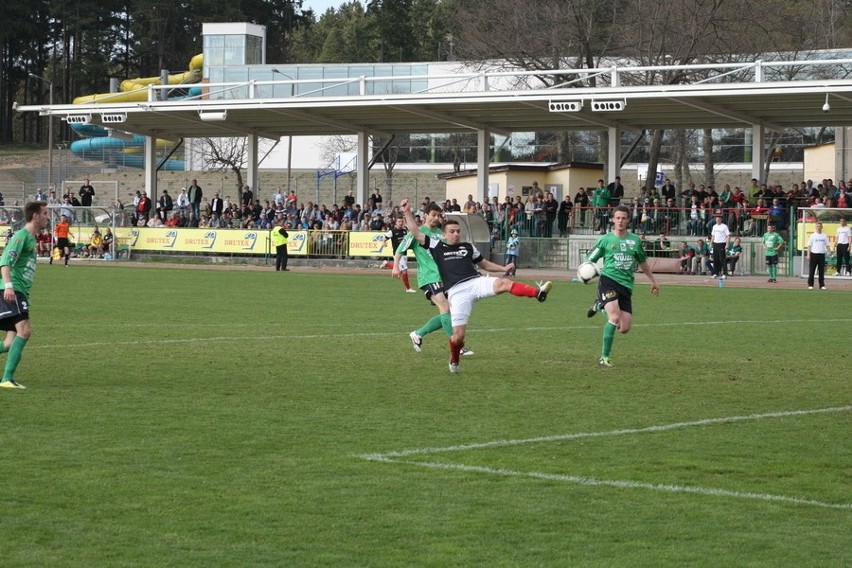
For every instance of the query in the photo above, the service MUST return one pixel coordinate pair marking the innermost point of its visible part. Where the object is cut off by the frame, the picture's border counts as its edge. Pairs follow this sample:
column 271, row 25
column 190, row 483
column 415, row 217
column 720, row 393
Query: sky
column 320, row 6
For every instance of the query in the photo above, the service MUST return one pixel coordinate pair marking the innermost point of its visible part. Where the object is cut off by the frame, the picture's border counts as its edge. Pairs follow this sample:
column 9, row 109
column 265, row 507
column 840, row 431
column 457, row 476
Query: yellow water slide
column 136, row 90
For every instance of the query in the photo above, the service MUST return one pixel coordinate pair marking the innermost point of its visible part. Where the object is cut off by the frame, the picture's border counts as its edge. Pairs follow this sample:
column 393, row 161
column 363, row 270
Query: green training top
column 771, row 241
column 20, row 256
column 427, row 270
column 621, row 257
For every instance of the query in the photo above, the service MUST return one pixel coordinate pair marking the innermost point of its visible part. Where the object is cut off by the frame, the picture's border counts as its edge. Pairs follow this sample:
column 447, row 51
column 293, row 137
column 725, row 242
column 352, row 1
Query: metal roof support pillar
column 483, row 149
column 613, row 154
column 362, row 174
column 151, row 169
column 758, row 143
column 251, row 165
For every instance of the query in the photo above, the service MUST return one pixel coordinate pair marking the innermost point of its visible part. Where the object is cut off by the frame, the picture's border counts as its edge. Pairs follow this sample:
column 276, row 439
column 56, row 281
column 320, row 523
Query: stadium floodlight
column 79, row 118
column 213, row 116
column 609, row 105
column 113, row 118
column 564, row 106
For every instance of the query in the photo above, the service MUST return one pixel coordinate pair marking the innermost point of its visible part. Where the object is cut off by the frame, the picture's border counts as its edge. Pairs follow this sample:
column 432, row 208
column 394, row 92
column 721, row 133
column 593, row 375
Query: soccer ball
column 587, row 272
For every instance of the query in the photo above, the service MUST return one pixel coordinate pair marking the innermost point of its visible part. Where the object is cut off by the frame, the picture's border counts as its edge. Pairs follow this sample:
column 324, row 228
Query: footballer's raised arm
column 411, row 222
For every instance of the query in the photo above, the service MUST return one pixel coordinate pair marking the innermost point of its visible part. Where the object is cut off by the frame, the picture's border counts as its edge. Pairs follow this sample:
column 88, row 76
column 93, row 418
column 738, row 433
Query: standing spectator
column 621, row 252
column 564, row 215
column 817, row 248
column 291, row 201
column 40, row 195
column 164, row 206
column 183, row 201
column 668, row 190
column 217, row 206
column 581, row 202
column 195, row 197
column 376, row 197
column 513, row 250
column 457, row 262
column 551, row 208
column 247, row 197
column 349, row 199
column 842, row 240
column 719, row 236
column 143, row 209
column 87, row 194
column 67, row 209
column 600, row 201
column 53, row 200
column 278, row 197
column 17, row 266
column 616, row 192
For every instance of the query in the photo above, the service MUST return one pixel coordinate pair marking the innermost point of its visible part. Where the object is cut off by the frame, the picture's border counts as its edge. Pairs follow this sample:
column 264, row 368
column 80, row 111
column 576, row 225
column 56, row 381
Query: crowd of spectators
column 536, row 213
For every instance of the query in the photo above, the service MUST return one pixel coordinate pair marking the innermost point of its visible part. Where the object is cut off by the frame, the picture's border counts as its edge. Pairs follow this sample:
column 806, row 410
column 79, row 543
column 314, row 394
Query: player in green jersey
column 621, row 251
column 17, row 266
column 773, row 243
column 428, row 278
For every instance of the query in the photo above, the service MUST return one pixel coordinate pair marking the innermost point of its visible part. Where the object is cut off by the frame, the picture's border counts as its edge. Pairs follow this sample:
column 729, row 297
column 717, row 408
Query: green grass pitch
column 187, row 417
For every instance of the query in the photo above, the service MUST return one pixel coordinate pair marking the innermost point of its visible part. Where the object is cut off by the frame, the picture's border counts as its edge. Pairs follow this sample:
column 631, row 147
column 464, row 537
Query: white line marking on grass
column 712, row 491
column 396, row 457
column 623, row 432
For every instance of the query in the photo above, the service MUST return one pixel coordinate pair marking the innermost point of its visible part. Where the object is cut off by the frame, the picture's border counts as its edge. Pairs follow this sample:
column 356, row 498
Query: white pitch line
column 394, row 457
column 710, row 491
column 388, row 456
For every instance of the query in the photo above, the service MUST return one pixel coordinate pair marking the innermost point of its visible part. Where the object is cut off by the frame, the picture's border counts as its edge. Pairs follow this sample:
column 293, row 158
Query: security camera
column 826, row 107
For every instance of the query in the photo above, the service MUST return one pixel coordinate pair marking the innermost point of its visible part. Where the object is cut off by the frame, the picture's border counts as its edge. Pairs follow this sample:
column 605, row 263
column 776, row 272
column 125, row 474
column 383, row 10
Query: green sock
column 15, row 351
column 773, row 271
column 608, row 337
column 433, row 324
column 447, row 324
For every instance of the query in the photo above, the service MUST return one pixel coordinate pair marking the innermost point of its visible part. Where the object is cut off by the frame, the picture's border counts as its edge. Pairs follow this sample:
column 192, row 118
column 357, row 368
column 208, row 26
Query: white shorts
column 403, row 262
column 463, row 296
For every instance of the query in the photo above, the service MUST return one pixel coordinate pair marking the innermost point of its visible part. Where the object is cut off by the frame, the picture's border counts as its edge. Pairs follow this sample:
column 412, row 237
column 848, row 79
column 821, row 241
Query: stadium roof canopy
column 770, row 94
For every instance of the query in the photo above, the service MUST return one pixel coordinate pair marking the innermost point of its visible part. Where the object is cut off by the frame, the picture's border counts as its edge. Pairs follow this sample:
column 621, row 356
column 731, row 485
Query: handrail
column 488, row 81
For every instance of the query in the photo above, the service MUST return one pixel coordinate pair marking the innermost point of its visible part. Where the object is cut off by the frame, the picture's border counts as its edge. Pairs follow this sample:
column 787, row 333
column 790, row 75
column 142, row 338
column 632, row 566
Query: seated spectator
column 702, row 261
column 378, row 223
column 108, row 242
column 663, row 242
column 95, row 248
column 44, row 243
column 685, row 255
column 695, row 215
column 732, row 254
